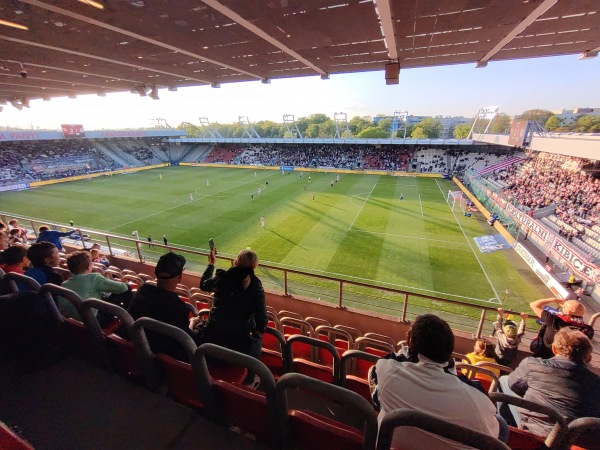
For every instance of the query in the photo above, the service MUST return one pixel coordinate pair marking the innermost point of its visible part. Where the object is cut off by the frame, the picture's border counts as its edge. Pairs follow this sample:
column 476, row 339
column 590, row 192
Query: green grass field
column 358, row 229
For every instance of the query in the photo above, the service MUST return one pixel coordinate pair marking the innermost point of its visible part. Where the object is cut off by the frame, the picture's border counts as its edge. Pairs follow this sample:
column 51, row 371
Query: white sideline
column 469, row 242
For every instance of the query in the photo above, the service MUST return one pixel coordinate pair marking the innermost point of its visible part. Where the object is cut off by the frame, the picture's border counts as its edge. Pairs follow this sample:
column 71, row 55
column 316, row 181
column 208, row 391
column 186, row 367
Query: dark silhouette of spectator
column 43, row 257
column 161, row 302
column 15, row 259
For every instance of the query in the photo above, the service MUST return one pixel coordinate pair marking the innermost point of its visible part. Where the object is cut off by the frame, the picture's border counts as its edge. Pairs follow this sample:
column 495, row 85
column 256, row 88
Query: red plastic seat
column 180, row 381
column 311, row 431
column 10, row 441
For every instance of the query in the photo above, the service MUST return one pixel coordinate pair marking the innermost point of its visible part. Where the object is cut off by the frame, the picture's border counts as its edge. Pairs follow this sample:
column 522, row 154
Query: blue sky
column 550, row 83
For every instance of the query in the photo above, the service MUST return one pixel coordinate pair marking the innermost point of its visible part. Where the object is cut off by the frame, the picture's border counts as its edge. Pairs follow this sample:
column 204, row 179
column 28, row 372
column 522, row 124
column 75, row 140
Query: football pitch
column 357, row 229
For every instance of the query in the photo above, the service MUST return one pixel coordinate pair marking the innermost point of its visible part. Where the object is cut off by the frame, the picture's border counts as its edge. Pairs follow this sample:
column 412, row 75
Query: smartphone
column 211, row 244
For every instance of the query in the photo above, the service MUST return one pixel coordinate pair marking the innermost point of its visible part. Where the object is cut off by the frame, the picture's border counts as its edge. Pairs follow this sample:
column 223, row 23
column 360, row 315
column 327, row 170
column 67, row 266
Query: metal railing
column 344, row 293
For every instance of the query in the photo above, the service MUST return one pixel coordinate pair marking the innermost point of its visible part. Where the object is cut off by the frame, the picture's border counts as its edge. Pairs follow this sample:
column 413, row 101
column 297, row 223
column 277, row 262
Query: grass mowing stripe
column 363, row 205
column 472, row 249
column 408, row 237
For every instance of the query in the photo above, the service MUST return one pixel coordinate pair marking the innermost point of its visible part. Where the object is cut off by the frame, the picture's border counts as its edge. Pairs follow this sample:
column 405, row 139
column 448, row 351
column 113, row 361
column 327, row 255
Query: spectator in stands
column 161, row 302
column 508, row 338
column 427, row 387
column 553, row 320
column 14, row 224
column 97, row 257
column 238, row 317
column 15, row 259
column 52, row 236
column 43, row 257
column 88, row 284
column 4, row 240
column 14, row 237
column 483, row 350
column 563, row 382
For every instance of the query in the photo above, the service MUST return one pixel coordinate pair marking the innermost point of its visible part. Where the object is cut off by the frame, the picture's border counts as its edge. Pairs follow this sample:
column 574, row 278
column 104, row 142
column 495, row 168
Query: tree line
column 322, row 126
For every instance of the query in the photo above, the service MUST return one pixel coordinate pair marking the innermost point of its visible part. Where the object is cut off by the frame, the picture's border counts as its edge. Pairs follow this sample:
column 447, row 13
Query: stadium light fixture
column 215, row 85
column 25, row 102
column 141, row 89
column 46, row 98
column 16, row 104
column 481, row 64
column 73, row 96
column 591, row 54
column 101, row 94
column 324, row 76
column 266, row 80
column 18, row 26
column 172, row 88
column 392, row 73
column 96, row 5
column 153, row 94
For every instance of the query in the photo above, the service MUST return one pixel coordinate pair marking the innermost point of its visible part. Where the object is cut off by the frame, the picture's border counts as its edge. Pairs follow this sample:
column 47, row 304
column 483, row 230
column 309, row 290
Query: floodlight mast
column 291, row 126
column 341, row 125
column 209, row 130
column 486, row 113
column 401, row 119
column 163, row 122
column 249, row 130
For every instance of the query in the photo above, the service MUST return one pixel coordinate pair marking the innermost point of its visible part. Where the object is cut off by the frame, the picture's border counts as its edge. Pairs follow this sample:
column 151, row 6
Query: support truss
column 209, row 130
column 249, row 130
column 291, row 126
column 342, row 131
column 399, row 124
column 484, row 114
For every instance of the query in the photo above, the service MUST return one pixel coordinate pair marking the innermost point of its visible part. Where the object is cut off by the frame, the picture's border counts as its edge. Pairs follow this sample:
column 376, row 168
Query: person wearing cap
column 570, row 314
column 508, row 338
column 161, row 302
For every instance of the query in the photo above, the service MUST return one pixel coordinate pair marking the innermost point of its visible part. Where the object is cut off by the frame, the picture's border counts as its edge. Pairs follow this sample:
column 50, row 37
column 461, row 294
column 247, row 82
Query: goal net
column 455, row 199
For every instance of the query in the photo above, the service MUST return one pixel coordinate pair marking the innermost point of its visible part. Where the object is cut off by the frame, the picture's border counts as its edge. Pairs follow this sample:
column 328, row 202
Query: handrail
column 342, row 283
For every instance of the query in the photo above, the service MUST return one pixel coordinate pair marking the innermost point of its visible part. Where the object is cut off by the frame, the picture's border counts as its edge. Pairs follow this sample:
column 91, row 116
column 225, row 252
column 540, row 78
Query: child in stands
column 509, row 338
column 15, row 259
column 483, row 351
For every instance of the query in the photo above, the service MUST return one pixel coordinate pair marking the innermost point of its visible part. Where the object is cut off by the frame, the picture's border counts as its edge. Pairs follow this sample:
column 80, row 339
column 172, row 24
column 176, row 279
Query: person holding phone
column 238, row 317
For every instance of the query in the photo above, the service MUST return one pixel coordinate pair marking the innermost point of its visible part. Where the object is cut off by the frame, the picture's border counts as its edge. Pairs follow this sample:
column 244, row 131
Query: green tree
column 302, row 124
column 357, row 124
column 327, row 129
column 373, row 133
column 552, row 123
column 587, row 124
column 419, row 133
column 318, row 118
column 313, row 130
column 385, row 124
column 461, row 131
column 501, row 124
column 430, row 127
column 536, row 115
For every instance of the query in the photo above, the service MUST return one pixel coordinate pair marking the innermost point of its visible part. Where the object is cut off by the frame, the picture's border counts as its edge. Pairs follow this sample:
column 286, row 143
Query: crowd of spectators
column 547, row 179
column 27, row 161
column 322, row 155
column 143, row 154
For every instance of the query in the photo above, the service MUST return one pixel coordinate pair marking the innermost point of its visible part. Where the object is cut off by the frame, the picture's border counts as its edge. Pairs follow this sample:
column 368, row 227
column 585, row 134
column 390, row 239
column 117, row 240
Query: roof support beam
column 98, row 58
column 387, row 27
column 535, row 14
column 71, row 14
column 260, row 33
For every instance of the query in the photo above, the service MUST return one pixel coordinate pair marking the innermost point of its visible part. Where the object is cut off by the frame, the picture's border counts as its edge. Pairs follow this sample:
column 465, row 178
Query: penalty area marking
column 469, row 242
column 409, row 237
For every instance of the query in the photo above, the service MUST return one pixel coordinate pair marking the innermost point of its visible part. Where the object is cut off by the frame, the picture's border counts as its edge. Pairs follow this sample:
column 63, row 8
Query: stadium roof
column 69, row 47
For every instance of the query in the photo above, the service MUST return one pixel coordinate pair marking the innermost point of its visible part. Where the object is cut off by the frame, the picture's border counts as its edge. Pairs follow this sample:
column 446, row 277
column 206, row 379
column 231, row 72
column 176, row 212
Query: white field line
column 472, row 249
column 421, row 205
column 409, row 237
column 360, row 279
column 363, row 205
column 183, row 204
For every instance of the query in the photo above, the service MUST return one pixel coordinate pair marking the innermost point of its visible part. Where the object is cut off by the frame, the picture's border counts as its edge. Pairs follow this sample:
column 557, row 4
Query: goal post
column 455, row 198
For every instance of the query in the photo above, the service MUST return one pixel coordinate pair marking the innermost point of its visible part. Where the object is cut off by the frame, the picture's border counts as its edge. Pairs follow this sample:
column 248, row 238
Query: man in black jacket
column 161, row 302
column 563, row 382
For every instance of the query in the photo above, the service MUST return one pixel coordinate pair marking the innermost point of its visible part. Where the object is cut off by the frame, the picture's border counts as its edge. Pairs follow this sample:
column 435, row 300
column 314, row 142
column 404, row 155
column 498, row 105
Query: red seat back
column 310, row 431
column 180, row 381
column 124, row 357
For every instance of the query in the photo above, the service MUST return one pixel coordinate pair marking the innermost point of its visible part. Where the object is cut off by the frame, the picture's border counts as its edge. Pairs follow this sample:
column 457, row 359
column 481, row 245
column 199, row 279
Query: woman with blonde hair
column 238, row 317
